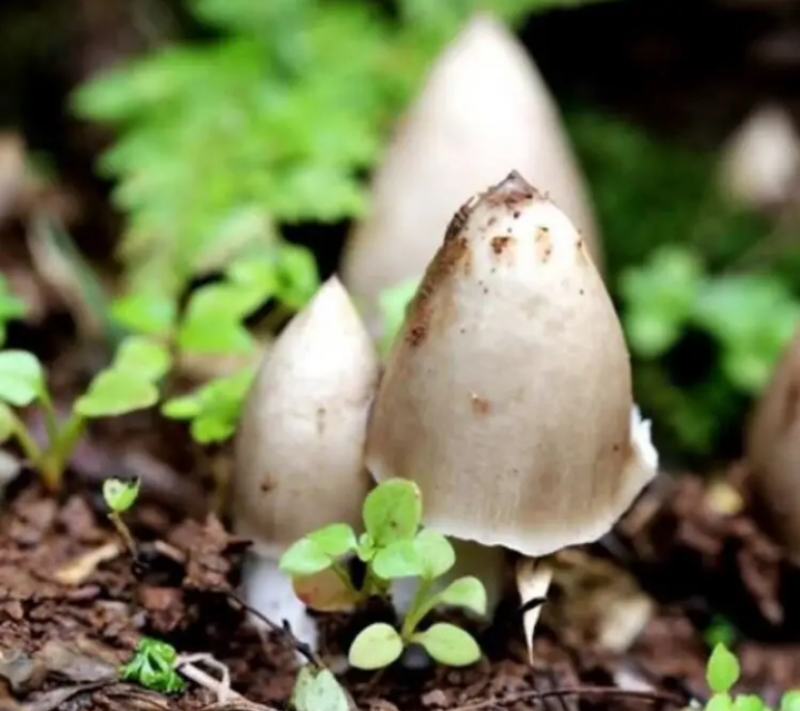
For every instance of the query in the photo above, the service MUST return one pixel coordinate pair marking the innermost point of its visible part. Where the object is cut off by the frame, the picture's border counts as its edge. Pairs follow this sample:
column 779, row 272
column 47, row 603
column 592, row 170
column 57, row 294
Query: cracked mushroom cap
column 299, row 449
column 773, row 449
column 483, row 110
column 507, row 393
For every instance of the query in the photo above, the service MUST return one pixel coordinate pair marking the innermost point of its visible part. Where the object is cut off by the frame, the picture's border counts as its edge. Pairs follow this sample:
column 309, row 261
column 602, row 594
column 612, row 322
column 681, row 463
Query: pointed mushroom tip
column 515, row 183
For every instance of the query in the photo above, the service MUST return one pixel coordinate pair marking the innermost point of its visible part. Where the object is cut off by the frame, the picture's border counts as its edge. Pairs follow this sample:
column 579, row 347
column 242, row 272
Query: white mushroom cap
column 507, row 393
column 483, row 110
column 299, row 450
column 761, row 159
column 773, row 449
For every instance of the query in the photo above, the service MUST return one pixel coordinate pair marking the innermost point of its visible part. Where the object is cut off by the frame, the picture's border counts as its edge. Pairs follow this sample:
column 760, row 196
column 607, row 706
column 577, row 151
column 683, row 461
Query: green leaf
column 791, row 701
column 120, row 495
column 467, row 592
column 151, row 314
column 392, row 511
column 719, row 702
column 366, row 549
column 214, row 408
column 144, row 358
column 304, row 557
column 6, row 423
column 722, row 671
column 21, row 378
column 436, row 554
column 398, row 559
column 298, row 278
column 335, row 540
column 115, row 392
column 152, row 667
column 317, row 690
column 449, row 644
column 748, row 702
column 375, row 647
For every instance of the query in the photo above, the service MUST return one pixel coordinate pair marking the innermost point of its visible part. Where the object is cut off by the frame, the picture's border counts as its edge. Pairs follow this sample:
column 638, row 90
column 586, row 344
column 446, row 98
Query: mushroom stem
column 533, row 582
column 269, row 590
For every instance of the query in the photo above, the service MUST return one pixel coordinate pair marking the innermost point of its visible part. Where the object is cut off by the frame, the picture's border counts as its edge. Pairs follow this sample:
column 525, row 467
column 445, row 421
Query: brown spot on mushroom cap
column 499, row 244
column 453, row 254
column 480, row 405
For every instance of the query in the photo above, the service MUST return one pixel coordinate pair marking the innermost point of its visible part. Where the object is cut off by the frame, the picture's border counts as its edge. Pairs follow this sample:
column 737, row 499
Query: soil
column 74, row 602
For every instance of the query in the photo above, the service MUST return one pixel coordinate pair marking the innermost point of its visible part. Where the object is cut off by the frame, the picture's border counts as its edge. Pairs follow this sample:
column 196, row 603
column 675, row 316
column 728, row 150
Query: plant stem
column 342, row 574
column 50, row 416
column 29, row 446
column 124, row 533
column 420, row 606
column 373, row 585
column 53, row 461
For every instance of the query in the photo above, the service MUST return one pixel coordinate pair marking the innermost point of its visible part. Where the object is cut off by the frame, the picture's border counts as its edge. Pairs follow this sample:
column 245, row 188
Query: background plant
column 392, row 546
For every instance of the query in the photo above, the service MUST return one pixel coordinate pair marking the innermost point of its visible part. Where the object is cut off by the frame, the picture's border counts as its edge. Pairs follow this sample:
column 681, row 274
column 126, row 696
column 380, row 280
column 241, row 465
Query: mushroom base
column 269, row 590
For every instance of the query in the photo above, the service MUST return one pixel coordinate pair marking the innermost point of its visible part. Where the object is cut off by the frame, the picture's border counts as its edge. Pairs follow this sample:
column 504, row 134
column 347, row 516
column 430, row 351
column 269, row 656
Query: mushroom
column 299, row 449
column 507, row 393
column 483, row 109
column 761, row 159
column 773, row 450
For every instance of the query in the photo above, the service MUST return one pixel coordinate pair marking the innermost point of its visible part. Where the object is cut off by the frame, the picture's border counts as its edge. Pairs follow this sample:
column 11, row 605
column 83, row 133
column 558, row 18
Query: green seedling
column 392, row 546
column 722, row 673
column 153, row 667
column 119, row 497
column 130, row 383
column 318, row 690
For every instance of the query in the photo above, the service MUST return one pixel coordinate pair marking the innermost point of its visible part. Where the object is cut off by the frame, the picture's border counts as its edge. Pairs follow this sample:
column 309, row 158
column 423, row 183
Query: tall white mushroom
column 773, row 450
column 483, row 110
column 507, row 393
column 299, row 449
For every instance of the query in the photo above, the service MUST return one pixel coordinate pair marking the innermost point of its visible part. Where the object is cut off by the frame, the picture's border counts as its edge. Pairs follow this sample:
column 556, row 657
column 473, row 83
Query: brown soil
column 73, row 604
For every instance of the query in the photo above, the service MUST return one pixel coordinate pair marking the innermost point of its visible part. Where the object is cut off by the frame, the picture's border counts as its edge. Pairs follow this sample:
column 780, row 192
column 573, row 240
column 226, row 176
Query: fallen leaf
column 80, row 569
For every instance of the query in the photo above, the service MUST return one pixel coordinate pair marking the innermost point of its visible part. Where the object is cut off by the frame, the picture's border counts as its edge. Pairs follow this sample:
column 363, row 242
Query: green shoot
column 153, row 667
column 722, row 673
column 393, row 546
column 127, row 385
column 119, row 497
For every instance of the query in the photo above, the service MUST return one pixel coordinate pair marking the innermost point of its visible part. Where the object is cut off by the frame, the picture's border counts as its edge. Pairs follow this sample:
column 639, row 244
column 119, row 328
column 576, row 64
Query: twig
column 284, row 629
column 532, row 695
column 221, row 687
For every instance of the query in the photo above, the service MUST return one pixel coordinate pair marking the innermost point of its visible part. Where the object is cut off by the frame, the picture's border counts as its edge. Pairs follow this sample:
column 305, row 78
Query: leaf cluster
column 722, row 673
column 128, row 384
column 152, row 667
column 393, row 545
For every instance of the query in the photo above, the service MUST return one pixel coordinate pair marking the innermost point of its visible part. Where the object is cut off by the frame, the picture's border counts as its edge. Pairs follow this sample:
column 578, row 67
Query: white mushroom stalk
column 507, row 394
column 484, row 109
column 299, row 450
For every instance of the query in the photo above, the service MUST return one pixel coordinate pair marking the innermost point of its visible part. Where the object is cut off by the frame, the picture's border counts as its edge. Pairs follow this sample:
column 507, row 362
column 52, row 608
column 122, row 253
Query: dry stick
column 284, row 629
column 531, row 695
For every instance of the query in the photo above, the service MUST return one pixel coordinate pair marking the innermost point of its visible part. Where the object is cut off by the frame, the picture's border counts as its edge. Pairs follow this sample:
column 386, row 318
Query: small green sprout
column 119, row 497
column 153, row 667
column 130, row 383
column 393, row 546
column 722, row 673
column 318, row 690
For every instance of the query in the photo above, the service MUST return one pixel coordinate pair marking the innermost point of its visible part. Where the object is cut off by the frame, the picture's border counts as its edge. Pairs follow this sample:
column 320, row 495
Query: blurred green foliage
column 682, row 264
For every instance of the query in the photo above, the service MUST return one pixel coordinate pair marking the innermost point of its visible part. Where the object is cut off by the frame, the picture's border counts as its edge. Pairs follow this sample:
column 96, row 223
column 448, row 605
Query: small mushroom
column 484, row 109
column 773, row 450
column 299, row 449
column 760, row 161
column 507, row 393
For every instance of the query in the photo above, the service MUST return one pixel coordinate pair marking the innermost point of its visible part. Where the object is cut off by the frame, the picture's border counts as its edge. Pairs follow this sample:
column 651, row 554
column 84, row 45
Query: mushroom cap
column 761, row 159
column 299, row 449
column 773, row 448
column 507, row 393
column 483, row 110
